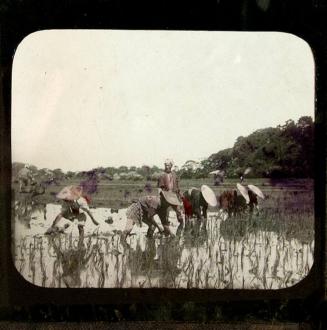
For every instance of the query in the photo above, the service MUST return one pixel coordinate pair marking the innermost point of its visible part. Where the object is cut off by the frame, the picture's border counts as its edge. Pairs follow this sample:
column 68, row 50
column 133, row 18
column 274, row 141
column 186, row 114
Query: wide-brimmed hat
column 218, row 172
column 171, row 198
column 256, row 190
column 208, row 195
column 244, row 192
column 70, row 193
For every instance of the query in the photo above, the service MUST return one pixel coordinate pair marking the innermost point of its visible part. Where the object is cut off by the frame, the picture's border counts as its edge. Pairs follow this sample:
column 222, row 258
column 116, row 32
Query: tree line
column 274, row 152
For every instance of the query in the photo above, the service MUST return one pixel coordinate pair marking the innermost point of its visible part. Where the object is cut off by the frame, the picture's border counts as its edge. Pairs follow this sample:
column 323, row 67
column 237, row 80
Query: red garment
column 87, row 198
column 187, row 206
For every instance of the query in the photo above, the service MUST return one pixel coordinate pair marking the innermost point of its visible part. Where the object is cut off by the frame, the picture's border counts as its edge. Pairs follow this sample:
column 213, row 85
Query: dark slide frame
column 20, row 300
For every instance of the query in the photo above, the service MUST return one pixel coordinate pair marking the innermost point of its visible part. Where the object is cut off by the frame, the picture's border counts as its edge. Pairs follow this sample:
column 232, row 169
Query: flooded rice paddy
column 270, row 250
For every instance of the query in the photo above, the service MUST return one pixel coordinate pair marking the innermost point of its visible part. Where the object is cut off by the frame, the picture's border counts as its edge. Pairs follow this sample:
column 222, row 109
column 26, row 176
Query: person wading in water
column 168, row 181
column 196, row 202
column 144, row 210
column 74, row 207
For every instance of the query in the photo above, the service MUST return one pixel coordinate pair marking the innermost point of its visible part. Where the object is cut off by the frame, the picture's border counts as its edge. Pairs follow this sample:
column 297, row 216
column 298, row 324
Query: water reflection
column 73, row 260
column 235, row 253
column 27, row 209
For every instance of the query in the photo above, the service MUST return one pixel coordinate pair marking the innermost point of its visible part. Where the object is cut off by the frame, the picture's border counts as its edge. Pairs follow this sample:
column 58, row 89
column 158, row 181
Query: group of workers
column 34, row 183
column 143, row 210
column 193, row 202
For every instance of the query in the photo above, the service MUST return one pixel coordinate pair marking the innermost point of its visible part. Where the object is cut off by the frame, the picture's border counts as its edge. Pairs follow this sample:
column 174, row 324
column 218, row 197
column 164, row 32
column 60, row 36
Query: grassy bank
column 119, row 194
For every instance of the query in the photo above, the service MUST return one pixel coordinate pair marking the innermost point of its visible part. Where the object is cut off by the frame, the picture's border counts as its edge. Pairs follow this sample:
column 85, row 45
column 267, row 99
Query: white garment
column 82, row 203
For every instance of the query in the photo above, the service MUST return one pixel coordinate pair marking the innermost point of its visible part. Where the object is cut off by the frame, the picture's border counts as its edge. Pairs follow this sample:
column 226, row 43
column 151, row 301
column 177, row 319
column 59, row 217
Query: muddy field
column 270, row 250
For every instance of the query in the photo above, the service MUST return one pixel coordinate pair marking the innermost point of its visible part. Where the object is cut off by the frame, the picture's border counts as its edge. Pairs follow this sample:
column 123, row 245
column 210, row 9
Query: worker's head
column 27, row 166
column 168, row 165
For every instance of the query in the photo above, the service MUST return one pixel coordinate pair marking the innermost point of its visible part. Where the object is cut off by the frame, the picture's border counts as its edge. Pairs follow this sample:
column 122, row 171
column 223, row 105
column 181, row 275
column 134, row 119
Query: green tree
column 122, row 169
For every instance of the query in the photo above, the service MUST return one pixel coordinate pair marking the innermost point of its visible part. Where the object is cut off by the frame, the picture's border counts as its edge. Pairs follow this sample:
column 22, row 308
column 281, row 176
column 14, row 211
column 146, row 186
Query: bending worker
column 144, row 210
column 74, row 206
column 196, row 202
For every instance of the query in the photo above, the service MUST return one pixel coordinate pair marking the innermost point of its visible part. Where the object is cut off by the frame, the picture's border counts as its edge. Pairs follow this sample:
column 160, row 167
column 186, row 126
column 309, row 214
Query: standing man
column 25, row 178
column 168, row 181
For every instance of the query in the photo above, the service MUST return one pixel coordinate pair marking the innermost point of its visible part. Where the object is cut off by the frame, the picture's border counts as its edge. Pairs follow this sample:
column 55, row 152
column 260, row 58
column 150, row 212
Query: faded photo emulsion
column 163, row 159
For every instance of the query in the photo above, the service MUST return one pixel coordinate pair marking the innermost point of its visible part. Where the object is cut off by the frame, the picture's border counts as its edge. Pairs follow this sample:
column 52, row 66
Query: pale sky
column 88, row 98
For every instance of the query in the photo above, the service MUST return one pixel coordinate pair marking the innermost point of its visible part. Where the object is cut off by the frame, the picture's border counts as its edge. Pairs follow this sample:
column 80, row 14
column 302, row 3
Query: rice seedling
column 269, row 250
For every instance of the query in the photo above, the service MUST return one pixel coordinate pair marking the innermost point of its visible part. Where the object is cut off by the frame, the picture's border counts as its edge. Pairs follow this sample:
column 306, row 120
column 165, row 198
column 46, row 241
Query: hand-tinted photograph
column 163, row 159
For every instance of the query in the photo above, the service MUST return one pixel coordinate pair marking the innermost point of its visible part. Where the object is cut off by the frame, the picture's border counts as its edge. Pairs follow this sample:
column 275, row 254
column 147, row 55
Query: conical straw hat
column 171, row 198
column 208, row 195
column 244, row 192
column 70, row 193
column 256, row 190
